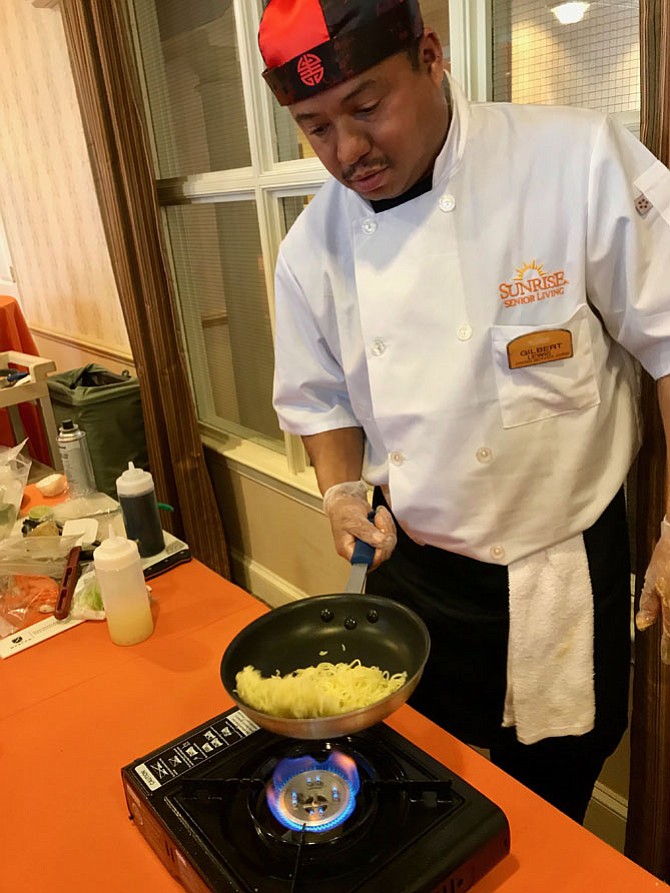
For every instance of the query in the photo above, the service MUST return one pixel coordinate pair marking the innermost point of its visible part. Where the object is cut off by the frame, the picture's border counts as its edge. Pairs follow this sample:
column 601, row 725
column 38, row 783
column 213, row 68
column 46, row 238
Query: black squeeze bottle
column 137, row 497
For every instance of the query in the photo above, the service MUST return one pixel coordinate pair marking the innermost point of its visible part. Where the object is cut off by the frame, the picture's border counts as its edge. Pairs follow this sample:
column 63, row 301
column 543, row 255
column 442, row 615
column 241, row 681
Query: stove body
column 202, row 804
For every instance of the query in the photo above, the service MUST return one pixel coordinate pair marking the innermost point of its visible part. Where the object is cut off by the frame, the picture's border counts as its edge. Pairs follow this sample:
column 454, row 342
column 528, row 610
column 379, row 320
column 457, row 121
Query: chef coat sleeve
column 310, row 393
column 628, row 246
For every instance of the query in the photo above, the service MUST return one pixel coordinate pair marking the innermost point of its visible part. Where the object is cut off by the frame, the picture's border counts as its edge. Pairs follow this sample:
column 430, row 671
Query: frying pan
column 335, row 628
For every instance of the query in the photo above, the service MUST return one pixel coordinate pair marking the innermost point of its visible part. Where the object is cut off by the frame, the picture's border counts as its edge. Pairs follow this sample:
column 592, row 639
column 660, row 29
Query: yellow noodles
column 324, row 690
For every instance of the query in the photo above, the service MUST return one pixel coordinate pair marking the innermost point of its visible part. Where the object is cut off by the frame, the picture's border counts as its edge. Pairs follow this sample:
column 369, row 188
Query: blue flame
column 288, row 769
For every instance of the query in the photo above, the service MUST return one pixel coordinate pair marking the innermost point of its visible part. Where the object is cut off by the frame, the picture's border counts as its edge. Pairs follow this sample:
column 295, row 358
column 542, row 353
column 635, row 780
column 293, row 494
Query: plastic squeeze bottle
column 118, row 569
column 137, row 497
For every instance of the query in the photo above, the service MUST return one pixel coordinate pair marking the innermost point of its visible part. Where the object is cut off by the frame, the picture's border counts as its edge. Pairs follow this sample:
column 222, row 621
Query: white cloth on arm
column 550, row 688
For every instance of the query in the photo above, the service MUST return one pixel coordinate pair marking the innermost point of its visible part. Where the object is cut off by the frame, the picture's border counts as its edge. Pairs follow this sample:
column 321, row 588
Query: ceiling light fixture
column 569, row 13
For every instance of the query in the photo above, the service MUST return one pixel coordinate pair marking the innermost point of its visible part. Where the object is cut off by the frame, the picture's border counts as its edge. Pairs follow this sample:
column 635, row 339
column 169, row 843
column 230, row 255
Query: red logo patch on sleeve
column 642, row 205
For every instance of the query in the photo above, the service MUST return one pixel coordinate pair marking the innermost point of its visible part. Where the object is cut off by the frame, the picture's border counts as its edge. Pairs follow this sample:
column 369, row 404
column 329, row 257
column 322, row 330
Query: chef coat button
column 378, row 347
column 497, row 553
column 396, row 457
column 484, row 454
column 464, row 333
column 369, row 226
column 447, row 203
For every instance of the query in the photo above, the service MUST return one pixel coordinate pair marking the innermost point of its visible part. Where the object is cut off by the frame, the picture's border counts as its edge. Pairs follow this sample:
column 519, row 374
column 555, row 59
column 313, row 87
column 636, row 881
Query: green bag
column 108, row 408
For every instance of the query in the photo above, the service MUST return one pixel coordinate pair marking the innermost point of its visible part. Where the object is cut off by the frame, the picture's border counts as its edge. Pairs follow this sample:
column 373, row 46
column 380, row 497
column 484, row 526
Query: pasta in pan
column 326, row 689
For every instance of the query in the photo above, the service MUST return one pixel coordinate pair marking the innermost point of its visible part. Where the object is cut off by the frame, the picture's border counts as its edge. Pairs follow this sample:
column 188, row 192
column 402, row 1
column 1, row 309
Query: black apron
column 465, row 605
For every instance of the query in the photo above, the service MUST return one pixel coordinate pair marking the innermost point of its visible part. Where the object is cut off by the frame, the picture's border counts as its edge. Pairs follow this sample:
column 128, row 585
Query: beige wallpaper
column 47, row 198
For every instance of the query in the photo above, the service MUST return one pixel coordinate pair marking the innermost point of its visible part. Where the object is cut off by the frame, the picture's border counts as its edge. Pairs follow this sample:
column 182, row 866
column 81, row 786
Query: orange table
column 75, row 709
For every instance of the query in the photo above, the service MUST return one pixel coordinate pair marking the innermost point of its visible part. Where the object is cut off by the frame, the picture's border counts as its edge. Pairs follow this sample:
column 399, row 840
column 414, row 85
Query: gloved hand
column 655, row 596
column 347, row 508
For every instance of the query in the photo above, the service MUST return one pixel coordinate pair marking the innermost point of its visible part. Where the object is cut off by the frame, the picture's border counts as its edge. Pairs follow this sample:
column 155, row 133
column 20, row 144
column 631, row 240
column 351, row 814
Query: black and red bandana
column 311, row 45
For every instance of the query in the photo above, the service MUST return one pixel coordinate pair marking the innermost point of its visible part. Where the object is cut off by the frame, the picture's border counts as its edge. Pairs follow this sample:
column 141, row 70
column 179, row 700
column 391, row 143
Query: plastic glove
column 347, row 508
column 655, row 596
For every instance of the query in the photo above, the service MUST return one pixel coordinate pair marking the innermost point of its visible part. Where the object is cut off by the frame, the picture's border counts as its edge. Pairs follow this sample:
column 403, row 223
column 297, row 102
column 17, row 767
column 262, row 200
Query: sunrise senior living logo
column 532, row 284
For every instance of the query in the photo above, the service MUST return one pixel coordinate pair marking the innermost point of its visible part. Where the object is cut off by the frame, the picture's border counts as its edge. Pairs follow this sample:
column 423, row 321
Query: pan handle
column 363, row 552
column 361, row 560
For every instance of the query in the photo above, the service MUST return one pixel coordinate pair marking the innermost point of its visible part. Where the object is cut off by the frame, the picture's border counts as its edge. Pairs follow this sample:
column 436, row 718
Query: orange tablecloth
column 75, row 709
column 15, row 335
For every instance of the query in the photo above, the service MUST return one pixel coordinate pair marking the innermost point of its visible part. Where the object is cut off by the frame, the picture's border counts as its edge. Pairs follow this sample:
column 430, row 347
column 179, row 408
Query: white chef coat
column 399, row 322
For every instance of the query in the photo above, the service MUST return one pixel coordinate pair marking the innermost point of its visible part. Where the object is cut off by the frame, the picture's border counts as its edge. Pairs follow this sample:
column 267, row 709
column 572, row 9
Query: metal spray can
column 77, row 464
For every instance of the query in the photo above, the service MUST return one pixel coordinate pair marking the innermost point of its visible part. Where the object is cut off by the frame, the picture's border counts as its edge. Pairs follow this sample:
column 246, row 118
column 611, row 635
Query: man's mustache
column 358, row 171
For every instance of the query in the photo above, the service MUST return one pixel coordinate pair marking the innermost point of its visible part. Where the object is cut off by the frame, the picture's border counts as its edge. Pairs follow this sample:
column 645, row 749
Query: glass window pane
column 292, row 145
column 436, row 15
column 593, row 63
column 290, row 141
column 291, row 208
column 216, row 253
column 191, row 66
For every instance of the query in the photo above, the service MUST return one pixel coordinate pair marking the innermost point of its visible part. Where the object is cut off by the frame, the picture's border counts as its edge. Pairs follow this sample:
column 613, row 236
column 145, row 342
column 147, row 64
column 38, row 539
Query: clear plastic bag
column 25, row 599
column 30, row 573
column 87, row 599
column 39, row 555
column 14, row 470
column 105, row 510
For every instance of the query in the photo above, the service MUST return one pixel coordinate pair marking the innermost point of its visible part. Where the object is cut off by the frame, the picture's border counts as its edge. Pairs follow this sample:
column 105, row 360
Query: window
column 204, row 137
column 593, row 63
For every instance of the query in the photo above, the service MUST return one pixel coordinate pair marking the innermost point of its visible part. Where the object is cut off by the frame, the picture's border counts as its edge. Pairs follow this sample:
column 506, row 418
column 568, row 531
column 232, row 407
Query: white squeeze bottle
column 118, row 570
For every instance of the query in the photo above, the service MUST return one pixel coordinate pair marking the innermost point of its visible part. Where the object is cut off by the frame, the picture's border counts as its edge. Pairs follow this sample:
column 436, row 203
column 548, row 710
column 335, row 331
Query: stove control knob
column 350, row 623
column 373, row 616
column 326, row 615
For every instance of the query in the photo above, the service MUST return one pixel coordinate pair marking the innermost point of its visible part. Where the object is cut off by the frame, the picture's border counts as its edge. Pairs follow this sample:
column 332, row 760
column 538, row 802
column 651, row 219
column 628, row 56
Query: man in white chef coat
column 458, row 315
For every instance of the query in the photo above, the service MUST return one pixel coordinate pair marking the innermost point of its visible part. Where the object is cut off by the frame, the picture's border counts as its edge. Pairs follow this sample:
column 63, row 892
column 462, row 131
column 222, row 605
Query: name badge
column 539, row 347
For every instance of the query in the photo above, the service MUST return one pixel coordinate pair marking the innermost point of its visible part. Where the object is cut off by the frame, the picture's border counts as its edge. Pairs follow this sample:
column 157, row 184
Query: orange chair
column 27, row 404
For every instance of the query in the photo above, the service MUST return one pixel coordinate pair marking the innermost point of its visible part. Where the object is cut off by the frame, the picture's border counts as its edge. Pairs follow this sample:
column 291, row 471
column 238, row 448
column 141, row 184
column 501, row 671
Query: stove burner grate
column 429, row 794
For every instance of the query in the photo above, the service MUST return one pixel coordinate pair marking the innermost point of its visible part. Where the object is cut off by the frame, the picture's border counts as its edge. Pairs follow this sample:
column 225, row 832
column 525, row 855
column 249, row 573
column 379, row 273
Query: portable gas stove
column 231, row 807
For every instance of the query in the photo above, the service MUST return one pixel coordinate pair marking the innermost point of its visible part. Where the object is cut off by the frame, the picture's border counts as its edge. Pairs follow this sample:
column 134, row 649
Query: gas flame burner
column 314, row 799
column 319, row 795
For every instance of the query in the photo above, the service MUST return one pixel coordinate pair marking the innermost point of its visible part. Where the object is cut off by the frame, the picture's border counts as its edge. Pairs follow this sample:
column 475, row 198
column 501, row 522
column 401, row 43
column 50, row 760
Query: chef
column 459, row 312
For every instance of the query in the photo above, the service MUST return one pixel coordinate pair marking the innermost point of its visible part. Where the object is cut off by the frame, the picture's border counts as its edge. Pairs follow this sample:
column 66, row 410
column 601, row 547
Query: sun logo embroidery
column 310, row 69
column 532, row 284
column 533, row 266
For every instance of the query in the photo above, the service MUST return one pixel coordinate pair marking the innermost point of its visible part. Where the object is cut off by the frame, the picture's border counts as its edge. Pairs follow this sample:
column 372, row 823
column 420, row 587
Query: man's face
column 379, row 132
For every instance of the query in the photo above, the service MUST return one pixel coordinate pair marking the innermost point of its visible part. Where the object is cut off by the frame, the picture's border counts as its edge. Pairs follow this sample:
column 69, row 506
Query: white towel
column 550, row 688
